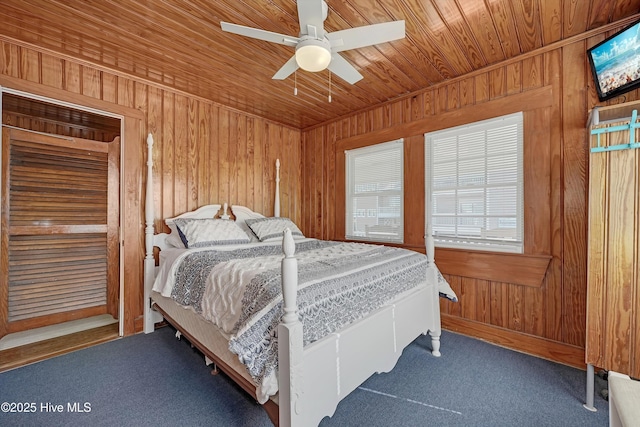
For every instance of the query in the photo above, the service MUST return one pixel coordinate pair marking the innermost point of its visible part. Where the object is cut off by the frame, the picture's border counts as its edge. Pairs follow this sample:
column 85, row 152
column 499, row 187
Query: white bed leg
column 432, row 279
column 435, row 344
column 290, row 368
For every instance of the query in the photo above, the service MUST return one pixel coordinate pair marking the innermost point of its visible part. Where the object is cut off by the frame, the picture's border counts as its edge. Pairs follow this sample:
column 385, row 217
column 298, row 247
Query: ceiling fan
column 316, row 49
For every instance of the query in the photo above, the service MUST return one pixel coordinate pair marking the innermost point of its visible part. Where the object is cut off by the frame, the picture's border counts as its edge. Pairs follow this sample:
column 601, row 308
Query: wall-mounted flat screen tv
column 615, row 62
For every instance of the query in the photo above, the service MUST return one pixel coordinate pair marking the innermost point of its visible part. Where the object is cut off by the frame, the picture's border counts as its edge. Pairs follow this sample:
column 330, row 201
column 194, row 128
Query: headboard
column 152, row 239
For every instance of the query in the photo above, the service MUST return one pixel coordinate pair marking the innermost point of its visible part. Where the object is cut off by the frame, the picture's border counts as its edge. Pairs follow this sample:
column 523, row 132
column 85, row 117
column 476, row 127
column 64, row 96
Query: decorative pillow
column 174, row 240
column 250, row 233
column 199, row 233
column 269, row 229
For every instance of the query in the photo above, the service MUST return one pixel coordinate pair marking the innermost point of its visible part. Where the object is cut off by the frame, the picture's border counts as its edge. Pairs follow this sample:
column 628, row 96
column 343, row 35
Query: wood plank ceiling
column 179, row 43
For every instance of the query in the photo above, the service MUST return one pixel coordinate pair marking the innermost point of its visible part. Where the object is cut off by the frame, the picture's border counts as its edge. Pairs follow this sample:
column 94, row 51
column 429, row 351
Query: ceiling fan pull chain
column 329, row 85
column 295, row 83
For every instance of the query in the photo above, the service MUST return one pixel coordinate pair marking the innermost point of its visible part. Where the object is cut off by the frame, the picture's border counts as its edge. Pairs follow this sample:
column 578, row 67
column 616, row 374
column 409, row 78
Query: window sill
column 521, row 269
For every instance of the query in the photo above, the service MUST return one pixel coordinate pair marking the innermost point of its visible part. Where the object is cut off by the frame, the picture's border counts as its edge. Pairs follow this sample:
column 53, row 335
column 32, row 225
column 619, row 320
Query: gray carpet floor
column 155, row 380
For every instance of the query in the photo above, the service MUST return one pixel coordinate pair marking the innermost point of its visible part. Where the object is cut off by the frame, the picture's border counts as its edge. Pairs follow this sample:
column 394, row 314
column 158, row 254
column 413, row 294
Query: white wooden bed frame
column 313, row 380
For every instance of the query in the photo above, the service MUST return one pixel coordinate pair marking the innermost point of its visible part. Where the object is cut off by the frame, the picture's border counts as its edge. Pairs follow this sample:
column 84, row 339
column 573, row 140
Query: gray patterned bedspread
column 339, row 283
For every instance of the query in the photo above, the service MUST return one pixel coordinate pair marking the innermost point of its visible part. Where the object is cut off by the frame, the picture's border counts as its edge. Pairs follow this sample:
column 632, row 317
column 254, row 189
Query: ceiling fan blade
column 256, row 33
column 287, row 69
column 341, row 68
column 368, row 35
column 310, row 13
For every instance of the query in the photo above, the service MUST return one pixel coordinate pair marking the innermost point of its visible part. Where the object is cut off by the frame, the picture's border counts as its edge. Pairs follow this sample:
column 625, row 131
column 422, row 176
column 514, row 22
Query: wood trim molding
column 555, row 351
column 519, row 269
column 529, row 100
column 69, row 97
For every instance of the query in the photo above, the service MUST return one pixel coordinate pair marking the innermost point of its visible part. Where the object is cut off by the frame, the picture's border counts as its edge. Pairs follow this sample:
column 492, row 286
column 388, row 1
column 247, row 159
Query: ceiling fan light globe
column 312, row 57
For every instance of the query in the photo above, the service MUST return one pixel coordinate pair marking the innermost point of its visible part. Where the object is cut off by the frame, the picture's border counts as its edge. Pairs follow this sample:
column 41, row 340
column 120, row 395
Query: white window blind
column 474, row 185
column 374, row 180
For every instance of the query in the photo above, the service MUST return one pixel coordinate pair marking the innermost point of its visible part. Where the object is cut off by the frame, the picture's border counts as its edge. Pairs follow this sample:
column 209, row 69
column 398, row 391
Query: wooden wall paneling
column 514, row 78
column 429, row 104
column 113, row 233
column 329, row 231
column 414, row 206
column 8, row 59
column 534, row 311
column 417, row 111
column 453, row 98
column 499, row 304
column 72, row 77
column 497, row 83
column 249, row 164
column 551, row 75
column 275, row 137
column 537, row 182
column 233, row 151
column 441, row 99
column 132, row 220
column 91, row 82
column 258, row 163
column 109, row 90
column 532, row 75
column 320, row 177
column 223, row 154
column 52, row 71
column 192, row 139
column 468, row 297
column 397, row 113
column 182, row 195
column 202, row 142
column 483, row 298
column 620, row 257
column 241, row 162
column 466, row 92
column 166, row 149
column 125, row 92
column 575, row 156
column 481, row 88
column 30, row 65
column 516, row 307
column 154, row 126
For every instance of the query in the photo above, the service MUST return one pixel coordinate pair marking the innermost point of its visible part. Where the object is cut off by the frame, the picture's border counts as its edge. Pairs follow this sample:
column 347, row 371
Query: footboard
column 313, row 380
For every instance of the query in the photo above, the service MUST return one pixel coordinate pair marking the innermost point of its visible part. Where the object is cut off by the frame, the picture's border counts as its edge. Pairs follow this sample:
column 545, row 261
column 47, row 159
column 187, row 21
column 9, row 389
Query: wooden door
column 60, row 213
column 613, row 290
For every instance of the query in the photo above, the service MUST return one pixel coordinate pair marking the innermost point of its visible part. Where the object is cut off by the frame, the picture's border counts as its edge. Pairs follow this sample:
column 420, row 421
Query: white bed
column 311, row 380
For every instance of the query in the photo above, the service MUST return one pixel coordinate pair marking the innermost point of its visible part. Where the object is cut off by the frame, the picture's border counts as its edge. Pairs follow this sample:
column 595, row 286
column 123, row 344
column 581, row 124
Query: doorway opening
column 60, row 222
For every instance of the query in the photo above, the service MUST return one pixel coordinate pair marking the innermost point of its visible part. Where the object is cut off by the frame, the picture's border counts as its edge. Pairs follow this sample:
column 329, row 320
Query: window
column 374, row 192
column 473, row 184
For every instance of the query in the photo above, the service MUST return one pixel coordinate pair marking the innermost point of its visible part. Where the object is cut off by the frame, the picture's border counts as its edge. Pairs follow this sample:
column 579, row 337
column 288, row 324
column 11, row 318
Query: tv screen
column 615, row 62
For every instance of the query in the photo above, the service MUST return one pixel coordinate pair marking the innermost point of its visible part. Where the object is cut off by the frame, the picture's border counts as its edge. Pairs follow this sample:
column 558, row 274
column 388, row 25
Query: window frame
column 494, row 244
column 350, row 156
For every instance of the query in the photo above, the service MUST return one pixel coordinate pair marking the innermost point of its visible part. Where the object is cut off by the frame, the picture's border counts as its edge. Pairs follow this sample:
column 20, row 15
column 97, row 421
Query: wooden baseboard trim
column 554, row 351
column 19, row 356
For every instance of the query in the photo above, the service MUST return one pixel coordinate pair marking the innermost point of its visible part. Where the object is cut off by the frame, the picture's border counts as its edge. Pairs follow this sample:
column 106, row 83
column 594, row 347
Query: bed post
column 290, row 368
column 276, row 203
column 432, row 278
column 151, row 317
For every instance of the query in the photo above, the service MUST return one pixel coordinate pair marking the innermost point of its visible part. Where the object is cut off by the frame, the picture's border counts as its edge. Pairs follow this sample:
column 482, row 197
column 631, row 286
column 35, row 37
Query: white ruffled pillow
column 269, row 229
column 199, row 233
column 174, row 239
